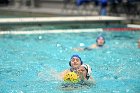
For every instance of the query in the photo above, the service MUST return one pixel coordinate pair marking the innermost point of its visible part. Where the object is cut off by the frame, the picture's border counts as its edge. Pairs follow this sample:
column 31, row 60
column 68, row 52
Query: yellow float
column 71, row 77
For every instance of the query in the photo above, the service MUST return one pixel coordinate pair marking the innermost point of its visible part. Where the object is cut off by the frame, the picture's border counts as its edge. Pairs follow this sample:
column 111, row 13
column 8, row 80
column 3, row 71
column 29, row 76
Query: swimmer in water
column 74, row 63
column 84, row 73
column 100, row 41
column 139, row 43
column 82, row 70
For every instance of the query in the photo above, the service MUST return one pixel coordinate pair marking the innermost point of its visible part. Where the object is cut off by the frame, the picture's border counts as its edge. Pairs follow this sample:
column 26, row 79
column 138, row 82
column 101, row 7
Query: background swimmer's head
column 100, row 40
column 139, row 43
column 75, row 61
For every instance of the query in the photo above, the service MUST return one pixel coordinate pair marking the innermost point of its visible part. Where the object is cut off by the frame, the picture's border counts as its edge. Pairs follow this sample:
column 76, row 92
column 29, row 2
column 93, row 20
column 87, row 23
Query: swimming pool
column 27, row 60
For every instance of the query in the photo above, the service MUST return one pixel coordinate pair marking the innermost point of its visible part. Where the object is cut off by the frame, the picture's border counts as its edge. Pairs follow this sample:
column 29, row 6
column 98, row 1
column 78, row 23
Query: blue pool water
column 28, row 61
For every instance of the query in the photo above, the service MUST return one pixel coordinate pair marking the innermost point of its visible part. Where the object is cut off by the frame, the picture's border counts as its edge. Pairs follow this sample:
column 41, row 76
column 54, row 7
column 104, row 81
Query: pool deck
column 61, row 19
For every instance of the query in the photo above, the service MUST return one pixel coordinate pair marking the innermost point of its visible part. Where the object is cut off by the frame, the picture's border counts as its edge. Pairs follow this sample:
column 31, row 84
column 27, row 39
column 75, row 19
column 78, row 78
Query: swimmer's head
column 100, row 40
column 75, row 61
column 88, row 71
column 139, row 43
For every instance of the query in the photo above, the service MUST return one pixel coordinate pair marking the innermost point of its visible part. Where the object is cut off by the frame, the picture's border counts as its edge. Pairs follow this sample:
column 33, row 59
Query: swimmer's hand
column 80, row 74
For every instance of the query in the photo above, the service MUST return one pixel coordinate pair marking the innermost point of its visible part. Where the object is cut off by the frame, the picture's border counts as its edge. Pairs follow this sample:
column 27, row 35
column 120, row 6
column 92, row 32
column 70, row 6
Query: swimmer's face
column 100, row 41
column 83, row 70
column 75, row 62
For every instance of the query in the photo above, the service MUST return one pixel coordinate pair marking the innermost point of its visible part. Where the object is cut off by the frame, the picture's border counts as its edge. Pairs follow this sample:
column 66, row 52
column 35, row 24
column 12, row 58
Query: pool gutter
column 60, row 19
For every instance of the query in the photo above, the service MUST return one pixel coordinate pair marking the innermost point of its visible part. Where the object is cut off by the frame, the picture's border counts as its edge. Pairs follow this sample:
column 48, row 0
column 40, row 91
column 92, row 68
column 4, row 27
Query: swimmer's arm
column 78, row 49
column 90, row 47
column 81, row 76
column 62, row 74
column 93, row 46
column 82, row 49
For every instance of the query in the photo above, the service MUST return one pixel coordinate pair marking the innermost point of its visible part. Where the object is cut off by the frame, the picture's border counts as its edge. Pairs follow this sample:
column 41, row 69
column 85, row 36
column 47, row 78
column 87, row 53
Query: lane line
column 133, row 26
column 51, row 31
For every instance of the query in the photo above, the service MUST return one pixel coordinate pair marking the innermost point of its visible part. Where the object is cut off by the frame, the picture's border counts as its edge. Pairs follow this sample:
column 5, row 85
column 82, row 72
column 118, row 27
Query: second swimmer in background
column 139, row 43
column 100, row 41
